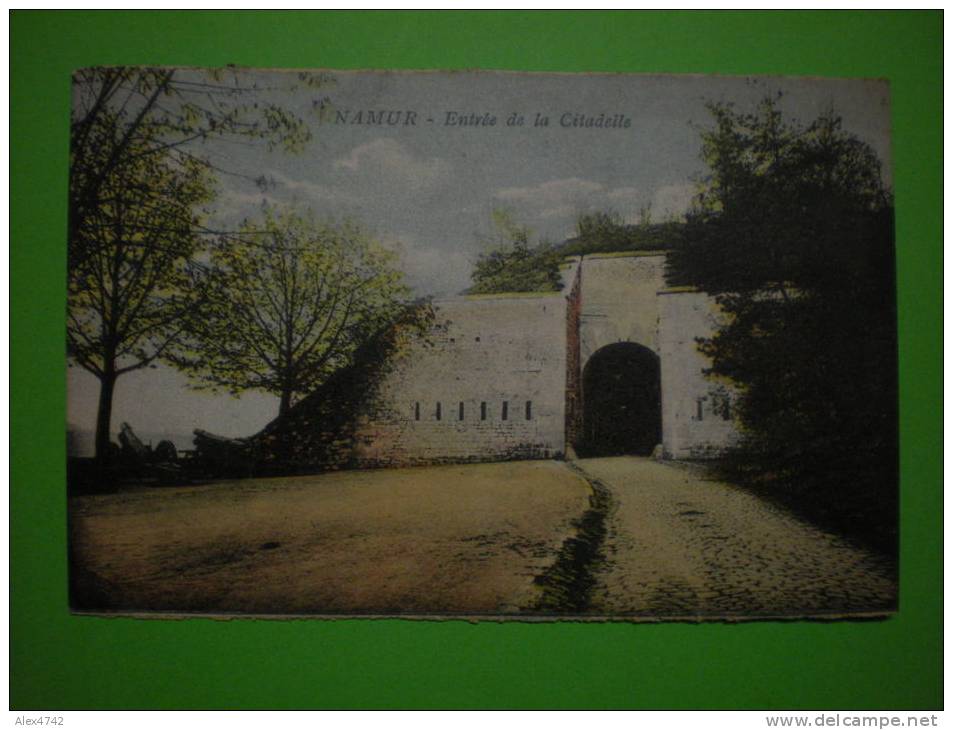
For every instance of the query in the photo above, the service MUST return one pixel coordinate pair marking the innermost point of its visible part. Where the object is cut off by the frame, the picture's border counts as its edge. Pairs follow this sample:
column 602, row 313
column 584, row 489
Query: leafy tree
column 130, row 293
column 602, row 228
column 606, row 231
column 793, row 233
column 512, row 264
column 287, row 302
column 122, row 114
column 138, row 173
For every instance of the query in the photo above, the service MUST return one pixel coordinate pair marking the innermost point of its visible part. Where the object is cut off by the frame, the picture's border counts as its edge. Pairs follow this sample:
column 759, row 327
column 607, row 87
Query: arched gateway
column 621, row 401
column 607, row 365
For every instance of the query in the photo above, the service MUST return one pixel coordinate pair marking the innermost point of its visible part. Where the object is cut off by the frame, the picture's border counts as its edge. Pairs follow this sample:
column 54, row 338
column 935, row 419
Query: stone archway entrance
column 622, row 404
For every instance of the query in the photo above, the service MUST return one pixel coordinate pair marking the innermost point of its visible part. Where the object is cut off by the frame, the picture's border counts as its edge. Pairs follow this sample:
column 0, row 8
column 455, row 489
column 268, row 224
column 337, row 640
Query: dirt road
column 679, row 546
column 650, row 541
column 455, row 539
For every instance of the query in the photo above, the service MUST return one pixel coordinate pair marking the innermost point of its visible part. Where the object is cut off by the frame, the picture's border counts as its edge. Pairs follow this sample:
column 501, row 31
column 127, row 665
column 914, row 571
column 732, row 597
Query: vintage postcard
column 481, row 344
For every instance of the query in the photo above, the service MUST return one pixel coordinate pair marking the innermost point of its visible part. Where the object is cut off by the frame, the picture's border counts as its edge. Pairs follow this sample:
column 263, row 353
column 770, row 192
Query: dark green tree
column 601, row 231
column 511, row 263
column 132, row 290
column 793, row 234
column 607, row 232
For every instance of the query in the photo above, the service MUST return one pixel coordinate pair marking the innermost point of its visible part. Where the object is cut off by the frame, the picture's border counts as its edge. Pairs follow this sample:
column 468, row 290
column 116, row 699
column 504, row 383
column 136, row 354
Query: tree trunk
column 107, row 384
column 285, row 404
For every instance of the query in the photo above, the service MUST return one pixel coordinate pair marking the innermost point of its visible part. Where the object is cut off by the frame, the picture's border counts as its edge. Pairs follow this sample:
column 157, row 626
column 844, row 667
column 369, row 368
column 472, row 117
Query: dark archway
column 622, row 404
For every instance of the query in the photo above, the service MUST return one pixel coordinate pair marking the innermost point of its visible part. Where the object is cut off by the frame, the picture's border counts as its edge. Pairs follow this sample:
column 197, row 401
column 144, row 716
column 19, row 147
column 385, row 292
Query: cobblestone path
column 681, row 546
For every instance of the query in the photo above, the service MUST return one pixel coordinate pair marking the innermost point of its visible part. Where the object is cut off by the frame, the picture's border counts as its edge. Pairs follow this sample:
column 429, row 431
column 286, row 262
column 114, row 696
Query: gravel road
column 678, row 545
column 653, row 540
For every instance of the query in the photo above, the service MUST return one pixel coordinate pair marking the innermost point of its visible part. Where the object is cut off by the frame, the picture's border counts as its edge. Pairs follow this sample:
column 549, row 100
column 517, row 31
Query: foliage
column 130, row 293
column 319, row 432
column 793, row 233
column 139, row 174
column 601, row 228
column 121, row 115
column 512, row 264
column 606, row 232
column 287, row 301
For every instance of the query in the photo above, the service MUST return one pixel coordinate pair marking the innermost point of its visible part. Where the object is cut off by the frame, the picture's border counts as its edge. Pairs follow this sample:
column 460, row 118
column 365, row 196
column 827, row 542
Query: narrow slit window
column 483, row 410
column 438, row 414
column 699, row 409
column 460, row 412
column 506, row 410
column 529, row 410
column 417, row 411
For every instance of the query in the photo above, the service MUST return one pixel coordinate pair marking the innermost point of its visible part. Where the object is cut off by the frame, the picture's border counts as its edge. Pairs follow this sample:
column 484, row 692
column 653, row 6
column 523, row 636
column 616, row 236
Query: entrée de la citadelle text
column 410, row 118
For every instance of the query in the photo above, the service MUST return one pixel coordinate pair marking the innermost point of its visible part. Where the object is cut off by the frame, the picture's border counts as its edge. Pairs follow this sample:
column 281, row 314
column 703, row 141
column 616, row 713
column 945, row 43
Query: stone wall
column 697, row 417
column 618, row 300
column 573, row 356
column 443, row 399
column 487, row 384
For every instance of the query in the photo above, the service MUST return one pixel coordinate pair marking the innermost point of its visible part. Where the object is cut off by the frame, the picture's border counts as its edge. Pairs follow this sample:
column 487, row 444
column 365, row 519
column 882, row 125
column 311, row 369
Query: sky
column 426, row 185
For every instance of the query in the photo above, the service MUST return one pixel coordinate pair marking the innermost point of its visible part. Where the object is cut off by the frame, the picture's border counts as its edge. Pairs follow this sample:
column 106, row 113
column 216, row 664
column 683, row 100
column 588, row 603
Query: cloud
column 552, row 191
column 431, row 270
column 561, row 211
column 233, row 205
column 391, row 162
column 304, row 190
column 672, row 201
column 560, row 201
column 624, row 194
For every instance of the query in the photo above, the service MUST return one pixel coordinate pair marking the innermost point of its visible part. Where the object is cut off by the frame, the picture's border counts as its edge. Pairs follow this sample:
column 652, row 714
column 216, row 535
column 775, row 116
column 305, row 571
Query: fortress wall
column 619, row 300
column 696, row 409
column 573, row 369
column 518, row 348
column 488, row 350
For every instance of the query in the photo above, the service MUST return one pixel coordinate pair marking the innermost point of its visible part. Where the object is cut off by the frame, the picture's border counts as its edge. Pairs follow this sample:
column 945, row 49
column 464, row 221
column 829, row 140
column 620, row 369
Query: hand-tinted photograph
column 481, row 344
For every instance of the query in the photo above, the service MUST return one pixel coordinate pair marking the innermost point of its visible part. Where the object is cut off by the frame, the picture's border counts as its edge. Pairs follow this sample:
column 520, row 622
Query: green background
column 62, row 661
